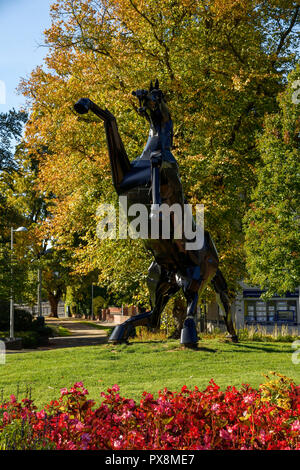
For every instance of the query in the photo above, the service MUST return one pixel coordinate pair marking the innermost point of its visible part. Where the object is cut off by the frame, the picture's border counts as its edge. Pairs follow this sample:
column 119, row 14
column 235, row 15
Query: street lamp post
column 39, row 293
column 11, row 317
column 92, row 306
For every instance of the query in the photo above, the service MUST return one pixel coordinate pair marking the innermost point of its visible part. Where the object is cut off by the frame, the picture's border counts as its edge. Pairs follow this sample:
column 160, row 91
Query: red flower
column 212, row 419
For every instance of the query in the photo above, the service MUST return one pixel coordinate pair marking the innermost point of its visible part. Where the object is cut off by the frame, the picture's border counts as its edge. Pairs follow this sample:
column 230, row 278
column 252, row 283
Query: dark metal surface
column 152, row 179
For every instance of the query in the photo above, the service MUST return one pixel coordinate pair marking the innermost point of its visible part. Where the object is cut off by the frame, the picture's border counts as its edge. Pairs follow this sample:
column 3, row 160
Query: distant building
column 248, row 309
column 278, row 310
column 46, row 309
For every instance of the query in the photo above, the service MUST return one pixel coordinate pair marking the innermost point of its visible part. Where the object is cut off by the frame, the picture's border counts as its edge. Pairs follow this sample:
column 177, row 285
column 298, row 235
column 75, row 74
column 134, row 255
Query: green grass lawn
column 144, row 366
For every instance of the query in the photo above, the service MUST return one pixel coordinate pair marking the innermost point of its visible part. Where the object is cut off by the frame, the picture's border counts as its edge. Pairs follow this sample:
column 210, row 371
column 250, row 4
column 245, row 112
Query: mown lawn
column 143, row 366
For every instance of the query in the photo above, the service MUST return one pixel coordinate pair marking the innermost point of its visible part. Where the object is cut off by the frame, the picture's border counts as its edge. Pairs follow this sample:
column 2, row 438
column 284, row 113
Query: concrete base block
column 15, row 343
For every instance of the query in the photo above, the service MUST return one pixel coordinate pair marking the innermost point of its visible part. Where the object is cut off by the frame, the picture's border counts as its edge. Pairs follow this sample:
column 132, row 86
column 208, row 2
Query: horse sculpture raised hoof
column 153, row 180
column 123, row 332
column 119, row 335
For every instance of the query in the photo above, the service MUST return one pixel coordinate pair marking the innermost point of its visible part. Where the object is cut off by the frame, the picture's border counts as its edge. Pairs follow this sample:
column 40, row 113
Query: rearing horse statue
column 153, row 179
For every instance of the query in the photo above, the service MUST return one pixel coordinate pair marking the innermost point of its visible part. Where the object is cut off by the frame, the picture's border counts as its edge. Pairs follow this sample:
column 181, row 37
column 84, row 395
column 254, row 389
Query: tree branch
column 287, row 32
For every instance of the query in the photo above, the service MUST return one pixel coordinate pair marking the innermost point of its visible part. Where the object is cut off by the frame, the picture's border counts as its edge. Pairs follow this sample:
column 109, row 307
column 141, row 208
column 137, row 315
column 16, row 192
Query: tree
column 11, row 126
column 54, row 263
column 272, row 222
column 23, row 203
column 222, row 65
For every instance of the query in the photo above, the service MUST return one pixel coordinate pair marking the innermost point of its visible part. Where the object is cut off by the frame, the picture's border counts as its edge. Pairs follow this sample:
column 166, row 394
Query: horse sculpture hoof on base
column 189, row 337
column 121, row 333
column 118, row 335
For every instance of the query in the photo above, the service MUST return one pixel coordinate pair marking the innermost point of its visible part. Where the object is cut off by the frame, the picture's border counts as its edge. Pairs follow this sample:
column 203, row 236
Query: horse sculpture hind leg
column 189, row 337
column 220, row 287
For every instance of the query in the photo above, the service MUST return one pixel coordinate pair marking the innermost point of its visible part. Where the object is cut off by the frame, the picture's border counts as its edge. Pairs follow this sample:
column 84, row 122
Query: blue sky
column 22, row 23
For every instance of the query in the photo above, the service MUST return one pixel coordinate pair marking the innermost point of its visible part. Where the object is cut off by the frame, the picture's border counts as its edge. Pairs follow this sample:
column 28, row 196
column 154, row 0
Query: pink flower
column 126, row 415
column 78, row 384
column 41, row 414
column 225, row 434
column 249, row 399
column 71, row 446
column 207, row 441
column 296, row 425
column 263, row 436
column 215, row 407
column 118, row 443
column 79, row 426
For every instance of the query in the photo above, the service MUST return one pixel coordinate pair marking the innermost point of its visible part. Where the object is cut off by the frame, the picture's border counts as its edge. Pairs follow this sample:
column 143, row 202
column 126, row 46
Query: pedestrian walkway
column 81, row 334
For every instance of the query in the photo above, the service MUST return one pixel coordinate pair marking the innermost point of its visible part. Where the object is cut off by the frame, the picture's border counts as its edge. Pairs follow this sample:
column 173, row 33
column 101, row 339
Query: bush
column 245, row 419
column 173, row 316
column 30, row 339
column 22, row 318
column 73, row 309
column 39, row 321
column 32, row 331
column 44, row 331
column 33, row 338
column 37, row 337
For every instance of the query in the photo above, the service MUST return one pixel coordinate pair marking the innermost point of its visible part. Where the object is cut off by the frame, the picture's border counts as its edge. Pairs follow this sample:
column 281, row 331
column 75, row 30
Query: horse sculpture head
column 152, row 104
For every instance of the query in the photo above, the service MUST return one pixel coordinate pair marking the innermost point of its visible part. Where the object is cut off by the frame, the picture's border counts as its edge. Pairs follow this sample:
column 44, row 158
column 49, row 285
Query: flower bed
column 268, row 418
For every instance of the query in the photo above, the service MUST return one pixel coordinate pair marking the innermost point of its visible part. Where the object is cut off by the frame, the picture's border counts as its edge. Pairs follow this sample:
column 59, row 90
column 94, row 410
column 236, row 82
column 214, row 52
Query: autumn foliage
column 221, row 65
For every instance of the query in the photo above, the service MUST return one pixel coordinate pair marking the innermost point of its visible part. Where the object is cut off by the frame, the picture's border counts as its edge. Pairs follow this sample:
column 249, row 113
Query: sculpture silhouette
column 153, row 179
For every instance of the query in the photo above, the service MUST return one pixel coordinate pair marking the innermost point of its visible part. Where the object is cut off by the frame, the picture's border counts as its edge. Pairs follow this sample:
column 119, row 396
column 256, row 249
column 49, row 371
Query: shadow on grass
column 241, row 346
column 198, row 348
column 151, row 341
column 172, row 347
column 205, row 349
column 264, row 348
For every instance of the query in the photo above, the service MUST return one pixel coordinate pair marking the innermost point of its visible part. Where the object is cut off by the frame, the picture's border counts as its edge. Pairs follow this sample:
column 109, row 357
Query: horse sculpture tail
column 223, row 301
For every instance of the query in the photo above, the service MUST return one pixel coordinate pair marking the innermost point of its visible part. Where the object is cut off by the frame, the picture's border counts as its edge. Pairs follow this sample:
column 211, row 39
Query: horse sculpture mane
column 153, row 179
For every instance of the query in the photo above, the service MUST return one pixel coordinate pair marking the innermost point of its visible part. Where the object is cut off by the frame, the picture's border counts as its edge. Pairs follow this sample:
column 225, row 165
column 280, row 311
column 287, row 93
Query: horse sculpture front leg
column 122, row 332
column 161, row 289
column 119, row 161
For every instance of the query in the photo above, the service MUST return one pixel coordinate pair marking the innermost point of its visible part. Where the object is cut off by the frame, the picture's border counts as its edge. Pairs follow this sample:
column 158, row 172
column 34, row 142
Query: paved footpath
column 81, row 335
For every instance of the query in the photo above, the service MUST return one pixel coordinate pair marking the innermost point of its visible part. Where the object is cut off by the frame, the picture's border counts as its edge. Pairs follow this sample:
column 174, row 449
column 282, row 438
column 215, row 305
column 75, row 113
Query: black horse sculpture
column 153, row 179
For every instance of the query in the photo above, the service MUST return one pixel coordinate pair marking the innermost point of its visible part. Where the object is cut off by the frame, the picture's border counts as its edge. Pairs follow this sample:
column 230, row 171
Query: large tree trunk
column 53, row 300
